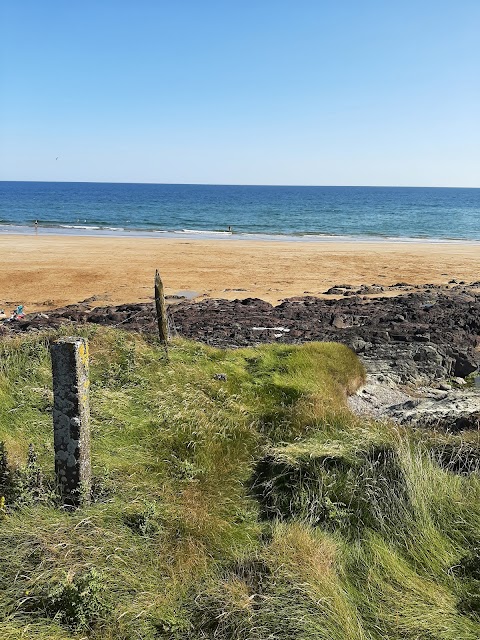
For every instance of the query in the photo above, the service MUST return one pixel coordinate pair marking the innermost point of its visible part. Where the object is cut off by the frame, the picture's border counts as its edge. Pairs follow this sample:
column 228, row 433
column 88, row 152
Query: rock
column 444, row 386
column 448, row 410
column 340, row 322
column 336, row 291
column 465, row 364
column 437, row 394
column 427, row 354
column 399, row 337
column 377, row 395
column 374, row 288
column 421, row 337
column 450, row 413
column 358, row 345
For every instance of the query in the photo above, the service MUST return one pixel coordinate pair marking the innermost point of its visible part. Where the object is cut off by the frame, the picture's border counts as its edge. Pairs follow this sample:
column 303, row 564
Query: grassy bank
column 246, row 505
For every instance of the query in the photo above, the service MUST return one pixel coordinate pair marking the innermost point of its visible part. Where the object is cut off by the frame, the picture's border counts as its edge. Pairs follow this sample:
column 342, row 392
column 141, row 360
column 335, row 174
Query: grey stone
column 358, row 345
column 71, row 419
column 453, row 412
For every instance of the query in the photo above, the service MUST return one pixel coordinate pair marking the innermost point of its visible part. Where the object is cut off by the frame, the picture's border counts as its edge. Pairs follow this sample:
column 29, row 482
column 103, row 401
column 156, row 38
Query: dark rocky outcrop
column 419, row 337
column 427, row 334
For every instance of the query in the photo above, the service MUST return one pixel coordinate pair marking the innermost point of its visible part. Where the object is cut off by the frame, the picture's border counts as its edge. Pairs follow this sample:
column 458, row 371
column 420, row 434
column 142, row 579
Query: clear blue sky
column 363, row 92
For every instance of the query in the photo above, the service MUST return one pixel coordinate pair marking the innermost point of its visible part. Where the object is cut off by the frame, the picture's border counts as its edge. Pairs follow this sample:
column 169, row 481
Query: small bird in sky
column 56, row 158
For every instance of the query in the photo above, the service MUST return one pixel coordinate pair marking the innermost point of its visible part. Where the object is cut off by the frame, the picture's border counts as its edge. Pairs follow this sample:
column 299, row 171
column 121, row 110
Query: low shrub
column 77, row 602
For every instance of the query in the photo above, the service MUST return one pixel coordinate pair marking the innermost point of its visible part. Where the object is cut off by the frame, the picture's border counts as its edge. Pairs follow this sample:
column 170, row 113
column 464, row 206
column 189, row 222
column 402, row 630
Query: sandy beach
column 45, row 272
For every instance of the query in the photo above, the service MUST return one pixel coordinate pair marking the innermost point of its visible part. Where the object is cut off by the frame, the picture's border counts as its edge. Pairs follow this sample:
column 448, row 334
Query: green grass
column 252, row 508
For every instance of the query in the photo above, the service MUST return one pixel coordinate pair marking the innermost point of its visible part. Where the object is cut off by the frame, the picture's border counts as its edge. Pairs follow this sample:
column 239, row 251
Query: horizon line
column 230, row 184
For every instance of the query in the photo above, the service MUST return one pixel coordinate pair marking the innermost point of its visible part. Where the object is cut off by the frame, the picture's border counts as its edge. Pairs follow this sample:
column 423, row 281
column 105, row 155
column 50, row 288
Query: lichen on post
column 71, row 419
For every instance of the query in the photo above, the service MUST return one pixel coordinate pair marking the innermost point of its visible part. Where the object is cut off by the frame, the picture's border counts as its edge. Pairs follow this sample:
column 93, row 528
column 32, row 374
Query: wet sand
column 45, row 272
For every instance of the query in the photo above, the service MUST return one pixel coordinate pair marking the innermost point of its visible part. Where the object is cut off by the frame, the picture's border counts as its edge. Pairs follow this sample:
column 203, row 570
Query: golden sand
column 44, row 272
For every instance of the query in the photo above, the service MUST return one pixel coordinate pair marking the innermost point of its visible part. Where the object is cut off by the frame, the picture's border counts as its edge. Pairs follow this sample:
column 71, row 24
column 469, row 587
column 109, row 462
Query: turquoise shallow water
column 265, row 211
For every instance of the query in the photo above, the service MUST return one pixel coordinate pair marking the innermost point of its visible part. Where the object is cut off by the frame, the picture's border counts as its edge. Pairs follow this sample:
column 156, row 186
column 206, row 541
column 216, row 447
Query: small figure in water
column 35, row 224
column 230, row 228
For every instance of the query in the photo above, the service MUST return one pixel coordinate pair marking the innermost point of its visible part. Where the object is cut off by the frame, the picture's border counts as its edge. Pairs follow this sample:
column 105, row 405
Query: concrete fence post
column 71, row 419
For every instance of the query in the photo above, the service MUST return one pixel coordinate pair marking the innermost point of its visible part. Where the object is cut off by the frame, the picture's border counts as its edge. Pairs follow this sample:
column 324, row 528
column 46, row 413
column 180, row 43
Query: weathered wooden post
column 71, row 419
column 161, row 312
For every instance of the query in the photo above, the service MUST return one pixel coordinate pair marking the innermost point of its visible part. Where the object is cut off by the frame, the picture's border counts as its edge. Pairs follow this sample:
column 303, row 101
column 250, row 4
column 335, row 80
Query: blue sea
column 267, row 212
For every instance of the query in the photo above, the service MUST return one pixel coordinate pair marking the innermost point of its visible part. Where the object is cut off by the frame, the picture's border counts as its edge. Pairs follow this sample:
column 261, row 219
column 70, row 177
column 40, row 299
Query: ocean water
column 401, row 213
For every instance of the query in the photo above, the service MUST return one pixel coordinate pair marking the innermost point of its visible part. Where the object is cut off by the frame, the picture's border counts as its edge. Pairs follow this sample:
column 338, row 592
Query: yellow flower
column 3, row 512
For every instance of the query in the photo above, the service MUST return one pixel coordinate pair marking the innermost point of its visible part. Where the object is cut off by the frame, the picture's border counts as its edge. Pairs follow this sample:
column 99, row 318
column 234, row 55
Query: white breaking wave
column 78, row 226
column 209, row 233
column 92, row 228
